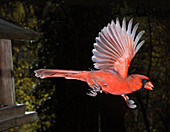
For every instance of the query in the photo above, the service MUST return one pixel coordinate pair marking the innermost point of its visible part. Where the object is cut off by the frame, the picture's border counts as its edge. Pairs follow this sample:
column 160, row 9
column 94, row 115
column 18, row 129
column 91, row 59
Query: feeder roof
column 14, row 32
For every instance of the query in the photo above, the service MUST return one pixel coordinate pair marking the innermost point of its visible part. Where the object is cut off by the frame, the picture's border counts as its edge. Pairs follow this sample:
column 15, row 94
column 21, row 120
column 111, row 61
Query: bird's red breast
column 111, row 82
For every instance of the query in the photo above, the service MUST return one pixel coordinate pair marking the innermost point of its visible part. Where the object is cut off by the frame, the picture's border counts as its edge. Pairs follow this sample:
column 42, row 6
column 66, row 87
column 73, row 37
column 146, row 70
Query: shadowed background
column 68, row 30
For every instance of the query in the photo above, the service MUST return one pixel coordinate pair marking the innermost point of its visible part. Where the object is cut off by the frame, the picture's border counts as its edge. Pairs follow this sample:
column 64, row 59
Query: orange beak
column 149, row 86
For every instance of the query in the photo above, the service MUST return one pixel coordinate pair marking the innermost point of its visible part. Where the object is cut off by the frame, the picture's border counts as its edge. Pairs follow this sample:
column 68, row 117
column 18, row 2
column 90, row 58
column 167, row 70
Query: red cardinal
column 113, row 51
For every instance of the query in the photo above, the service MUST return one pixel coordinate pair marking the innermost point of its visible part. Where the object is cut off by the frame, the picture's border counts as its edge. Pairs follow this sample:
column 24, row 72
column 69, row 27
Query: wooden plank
column 11, row 111
column 18, row 120
column 14, row 32
column 7, row 90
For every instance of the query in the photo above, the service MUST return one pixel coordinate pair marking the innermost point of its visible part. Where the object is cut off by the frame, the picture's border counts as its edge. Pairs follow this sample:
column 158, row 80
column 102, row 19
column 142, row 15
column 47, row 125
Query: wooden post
column 7, row 90
column 13, row 115
column 8, row 32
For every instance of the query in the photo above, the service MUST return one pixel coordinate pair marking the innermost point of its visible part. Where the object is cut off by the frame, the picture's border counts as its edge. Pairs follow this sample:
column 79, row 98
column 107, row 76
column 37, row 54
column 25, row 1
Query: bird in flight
column 113, row 51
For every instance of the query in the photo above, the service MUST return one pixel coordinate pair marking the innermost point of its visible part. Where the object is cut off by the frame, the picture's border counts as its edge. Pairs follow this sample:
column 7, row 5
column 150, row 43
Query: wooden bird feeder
column 13, row 114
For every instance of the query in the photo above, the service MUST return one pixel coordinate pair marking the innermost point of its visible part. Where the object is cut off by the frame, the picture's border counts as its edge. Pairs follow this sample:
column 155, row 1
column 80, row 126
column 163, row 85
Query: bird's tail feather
column 68, row 74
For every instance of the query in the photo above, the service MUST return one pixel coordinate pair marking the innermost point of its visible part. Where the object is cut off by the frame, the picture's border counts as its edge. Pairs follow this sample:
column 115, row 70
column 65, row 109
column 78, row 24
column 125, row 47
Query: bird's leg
column 130, row 103
column 95, row 88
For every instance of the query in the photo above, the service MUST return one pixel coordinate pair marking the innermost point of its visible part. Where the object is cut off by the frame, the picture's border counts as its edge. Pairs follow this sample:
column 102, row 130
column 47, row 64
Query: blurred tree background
column 68, row 32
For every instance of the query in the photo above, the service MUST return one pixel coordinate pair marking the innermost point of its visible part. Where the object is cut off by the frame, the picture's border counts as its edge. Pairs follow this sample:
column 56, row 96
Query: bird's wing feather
column 116, row 46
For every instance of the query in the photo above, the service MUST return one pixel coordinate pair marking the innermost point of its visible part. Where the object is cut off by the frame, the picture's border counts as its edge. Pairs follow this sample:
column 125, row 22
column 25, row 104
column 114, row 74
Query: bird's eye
column 144, row 81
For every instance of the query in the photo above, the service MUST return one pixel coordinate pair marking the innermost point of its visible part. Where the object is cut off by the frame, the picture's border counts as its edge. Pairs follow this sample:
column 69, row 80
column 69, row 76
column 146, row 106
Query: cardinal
column 113, row 51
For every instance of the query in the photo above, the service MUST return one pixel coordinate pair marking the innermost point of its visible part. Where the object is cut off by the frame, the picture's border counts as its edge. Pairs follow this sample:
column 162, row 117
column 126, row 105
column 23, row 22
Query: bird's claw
column 92, row 93
column 95, row 88
column 130, row 103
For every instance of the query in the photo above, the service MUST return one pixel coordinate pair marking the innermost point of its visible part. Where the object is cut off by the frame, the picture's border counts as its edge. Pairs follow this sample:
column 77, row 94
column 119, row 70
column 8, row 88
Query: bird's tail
column 68, row 74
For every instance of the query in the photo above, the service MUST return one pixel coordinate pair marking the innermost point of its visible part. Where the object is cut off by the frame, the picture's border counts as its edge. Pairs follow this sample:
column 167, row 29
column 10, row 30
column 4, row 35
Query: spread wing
column 116, row 46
